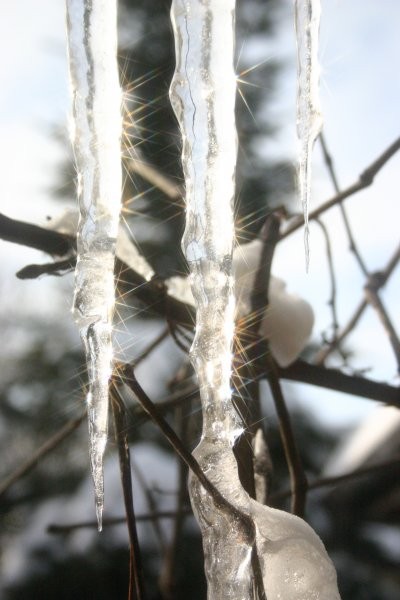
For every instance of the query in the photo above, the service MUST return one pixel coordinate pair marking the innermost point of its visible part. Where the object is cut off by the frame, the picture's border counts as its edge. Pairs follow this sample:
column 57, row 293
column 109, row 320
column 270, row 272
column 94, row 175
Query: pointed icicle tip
column 99, row 514
column 98, row 444
column 98, row 480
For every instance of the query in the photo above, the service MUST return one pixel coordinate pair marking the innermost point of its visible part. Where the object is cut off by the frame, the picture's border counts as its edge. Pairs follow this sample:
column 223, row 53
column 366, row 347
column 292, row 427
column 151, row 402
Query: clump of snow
column 288, row 319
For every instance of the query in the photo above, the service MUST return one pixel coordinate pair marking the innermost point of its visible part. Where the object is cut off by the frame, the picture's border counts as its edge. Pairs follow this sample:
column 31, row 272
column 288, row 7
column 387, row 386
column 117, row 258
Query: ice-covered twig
column 309, row 120
column 96, row 133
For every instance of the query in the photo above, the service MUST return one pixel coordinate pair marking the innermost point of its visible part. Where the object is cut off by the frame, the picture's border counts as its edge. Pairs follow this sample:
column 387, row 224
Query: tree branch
column 334, row 379
column 136, row 584
column 379, row 280
column 46, row 448
column 152, row 293
column 335, row 183
column 33, row 236
column 365, row 180
column 339, row 479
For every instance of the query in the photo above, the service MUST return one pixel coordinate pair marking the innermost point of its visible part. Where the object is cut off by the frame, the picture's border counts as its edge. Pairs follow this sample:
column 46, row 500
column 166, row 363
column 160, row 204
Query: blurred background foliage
column 43, row 386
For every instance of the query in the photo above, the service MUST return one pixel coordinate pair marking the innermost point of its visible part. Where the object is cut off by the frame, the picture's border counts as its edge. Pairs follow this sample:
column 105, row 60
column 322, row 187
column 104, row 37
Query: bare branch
column 55, row 268
column 334, row 379
column 45, row 449
column 69, row 528
column 339, row 479
column 155, row 177
column 298, row 479
column 332, row 173
column 154, row 344
column 379, row 280
column 152, row 293
column 332, row 276
column 136, row 584
column 375, row 301
column 33, row 236
column 365, row 180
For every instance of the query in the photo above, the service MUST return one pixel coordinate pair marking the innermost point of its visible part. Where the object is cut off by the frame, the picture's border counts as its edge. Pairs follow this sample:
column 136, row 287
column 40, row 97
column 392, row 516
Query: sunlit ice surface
column 96, row 134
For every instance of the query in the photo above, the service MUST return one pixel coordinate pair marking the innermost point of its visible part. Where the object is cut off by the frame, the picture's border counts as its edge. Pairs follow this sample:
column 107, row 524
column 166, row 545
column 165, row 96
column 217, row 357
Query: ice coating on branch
column 96, row 133
column 126, row 249
column 294, row 562
column 309, row 119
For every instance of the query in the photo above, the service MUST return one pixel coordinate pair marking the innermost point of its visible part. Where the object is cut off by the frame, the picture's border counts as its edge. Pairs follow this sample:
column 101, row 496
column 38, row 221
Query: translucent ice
column 96, row 132
column 203, row 96
column 309, row 120
column 294, row 563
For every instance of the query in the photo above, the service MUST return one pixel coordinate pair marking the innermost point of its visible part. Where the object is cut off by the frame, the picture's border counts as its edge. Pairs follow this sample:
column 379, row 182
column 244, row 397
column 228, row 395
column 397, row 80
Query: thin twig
column 168, row 572
column 154, row 344
column 374, row 300
column 151, row 504
column 47, row 447
column 365, row 180
column 111, row 522
column 332, row 276
column 171, row 401
column 339, row 479
column 247, row 526
column 331, row 169
column 156, row 178
column 56, row 268
column 173, row 331
column 298, row 479
column 379, row 280
column 324, row 352
column 136, row 584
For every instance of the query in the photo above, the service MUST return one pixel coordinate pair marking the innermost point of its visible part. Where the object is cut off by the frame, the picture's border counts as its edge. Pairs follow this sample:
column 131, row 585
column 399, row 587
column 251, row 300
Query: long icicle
column 203, row 96
column 309, row 119
column 293, row 560
column 96, row 134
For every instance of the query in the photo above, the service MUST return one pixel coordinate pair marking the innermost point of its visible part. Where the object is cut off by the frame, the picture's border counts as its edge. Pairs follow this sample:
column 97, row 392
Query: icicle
column 294, row 562
column 203, row 97
column 309, row 119
column 96, row 132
